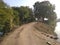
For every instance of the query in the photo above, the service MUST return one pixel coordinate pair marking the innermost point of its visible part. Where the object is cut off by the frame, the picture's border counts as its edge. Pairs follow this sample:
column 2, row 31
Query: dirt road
column 28, row 35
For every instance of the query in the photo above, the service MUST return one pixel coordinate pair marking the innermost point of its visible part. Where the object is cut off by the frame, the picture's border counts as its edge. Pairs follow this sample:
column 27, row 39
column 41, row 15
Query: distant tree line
column 11, row 17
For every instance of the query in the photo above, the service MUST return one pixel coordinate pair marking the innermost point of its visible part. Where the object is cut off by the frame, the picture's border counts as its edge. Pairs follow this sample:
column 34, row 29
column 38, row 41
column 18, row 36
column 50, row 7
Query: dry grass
column 44, row 28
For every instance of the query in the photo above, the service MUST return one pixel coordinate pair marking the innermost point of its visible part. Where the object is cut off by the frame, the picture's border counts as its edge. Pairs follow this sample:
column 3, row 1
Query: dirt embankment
column 28, row 34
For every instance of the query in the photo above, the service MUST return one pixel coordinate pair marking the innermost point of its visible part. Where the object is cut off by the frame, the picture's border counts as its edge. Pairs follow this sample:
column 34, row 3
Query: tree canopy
column 25, row 13
column 45, row 10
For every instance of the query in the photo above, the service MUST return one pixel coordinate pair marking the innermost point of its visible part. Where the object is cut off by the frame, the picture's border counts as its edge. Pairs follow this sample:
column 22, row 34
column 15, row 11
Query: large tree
column 45, row 10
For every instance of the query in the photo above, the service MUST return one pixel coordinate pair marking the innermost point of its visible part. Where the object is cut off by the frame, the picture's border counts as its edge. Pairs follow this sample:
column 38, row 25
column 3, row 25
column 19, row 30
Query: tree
column 16, row 15
column 25, row 14
column 2, row 4
column 45, row 10
column 6, row 18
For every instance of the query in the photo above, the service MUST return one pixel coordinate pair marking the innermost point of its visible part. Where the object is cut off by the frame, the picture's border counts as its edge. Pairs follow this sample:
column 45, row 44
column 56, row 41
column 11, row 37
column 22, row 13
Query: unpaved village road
column 28, row 35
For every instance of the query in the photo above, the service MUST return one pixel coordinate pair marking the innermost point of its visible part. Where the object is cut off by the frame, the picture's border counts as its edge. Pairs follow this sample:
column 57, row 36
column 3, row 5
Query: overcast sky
column 30, row 3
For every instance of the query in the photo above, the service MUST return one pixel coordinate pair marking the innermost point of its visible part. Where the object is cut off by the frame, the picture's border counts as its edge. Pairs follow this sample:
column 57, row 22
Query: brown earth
column 28, row 34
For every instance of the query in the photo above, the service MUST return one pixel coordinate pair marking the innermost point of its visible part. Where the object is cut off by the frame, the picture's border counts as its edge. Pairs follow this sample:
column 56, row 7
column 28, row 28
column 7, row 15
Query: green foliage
column 25, row 14
column 16, row 17
column 45, row 10
column 6, row 18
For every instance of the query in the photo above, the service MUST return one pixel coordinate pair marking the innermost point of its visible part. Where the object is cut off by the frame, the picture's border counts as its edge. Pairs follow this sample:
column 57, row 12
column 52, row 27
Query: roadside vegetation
column 12, row 17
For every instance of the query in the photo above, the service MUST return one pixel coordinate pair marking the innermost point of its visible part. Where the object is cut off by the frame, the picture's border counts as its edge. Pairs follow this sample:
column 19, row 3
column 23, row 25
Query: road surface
column 28, row 35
